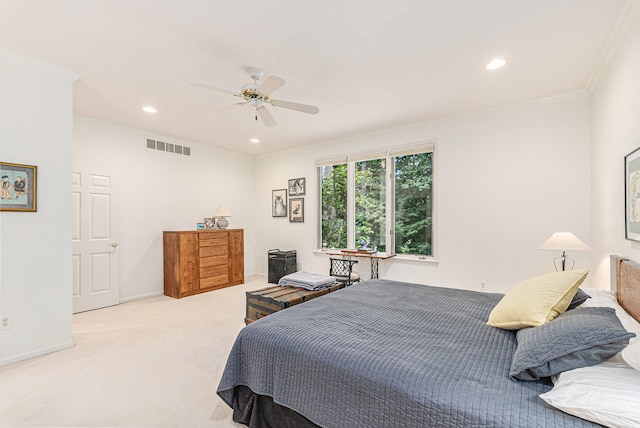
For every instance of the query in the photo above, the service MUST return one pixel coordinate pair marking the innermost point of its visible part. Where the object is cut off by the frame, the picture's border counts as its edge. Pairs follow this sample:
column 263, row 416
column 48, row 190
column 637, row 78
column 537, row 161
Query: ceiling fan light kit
column 257, row 95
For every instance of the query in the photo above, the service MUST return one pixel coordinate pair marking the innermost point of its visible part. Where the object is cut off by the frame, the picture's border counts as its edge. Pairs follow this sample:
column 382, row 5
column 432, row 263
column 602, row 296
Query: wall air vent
column 168, row 147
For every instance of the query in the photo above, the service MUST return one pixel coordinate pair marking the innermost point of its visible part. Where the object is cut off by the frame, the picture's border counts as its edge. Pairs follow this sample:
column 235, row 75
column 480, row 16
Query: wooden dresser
column 202, row 260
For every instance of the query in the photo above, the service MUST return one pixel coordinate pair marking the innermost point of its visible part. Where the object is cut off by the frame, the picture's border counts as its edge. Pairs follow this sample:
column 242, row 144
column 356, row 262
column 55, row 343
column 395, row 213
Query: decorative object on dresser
column 202, row 260
column 564, row 241
column 220, row 217
column 266, row 301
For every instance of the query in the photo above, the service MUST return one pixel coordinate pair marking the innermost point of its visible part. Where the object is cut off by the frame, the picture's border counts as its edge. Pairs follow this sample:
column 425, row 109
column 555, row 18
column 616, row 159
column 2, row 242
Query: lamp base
column 564, row 262
column 222, row 223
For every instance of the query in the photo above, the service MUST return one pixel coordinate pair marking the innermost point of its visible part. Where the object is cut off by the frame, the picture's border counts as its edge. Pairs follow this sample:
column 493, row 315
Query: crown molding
column 628, row 19
column 38, row 66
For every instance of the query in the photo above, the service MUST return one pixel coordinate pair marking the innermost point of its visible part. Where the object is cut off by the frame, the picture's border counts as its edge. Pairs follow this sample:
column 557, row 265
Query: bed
column 388, row 354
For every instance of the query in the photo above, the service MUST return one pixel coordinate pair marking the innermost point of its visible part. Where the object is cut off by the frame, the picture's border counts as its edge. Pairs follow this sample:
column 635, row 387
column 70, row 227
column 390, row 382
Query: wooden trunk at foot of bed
column 266, row 301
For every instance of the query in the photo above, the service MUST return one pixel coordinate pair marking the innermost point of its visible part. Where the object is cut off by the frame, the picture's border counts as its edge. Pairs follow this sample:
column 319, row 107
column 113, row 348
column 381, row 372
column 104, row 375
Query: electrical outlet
column 5, row 322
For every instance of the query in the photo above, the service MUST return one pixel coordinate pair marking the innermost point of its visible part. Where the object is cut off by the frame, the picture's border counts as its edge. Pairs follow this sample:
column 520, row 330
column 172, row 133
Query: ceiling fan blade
column 295, row 106
column 267, row 117
column 270, row 84
column 213, row 88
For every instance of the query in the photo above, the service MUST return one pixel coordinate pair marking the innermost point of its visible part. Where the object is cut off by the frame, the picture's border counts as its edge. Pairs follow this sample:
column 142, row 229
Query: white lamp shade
column 564, row 241
column 222, row 211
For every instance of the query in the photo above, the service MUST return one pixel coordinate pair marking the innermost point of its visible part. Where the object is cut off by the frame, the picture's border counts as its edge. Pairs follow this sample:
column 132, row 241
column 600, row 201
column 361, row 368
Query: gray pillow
column 578, row 338
column 579, row 298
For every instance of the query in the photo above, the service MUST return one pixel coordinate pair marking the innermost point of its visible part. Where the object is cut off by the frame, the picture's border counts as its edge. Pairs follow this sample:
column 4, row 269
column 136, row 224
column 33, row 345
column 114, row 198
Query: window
column 413, row 185
column 382, row 200
column 370, row 207
column 333, row 193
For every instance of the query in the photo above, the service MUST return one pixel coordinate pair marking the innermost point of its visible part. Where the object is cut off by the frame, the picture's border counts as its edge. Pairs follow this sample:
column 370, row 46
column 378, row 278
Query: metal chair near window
column 342, row 271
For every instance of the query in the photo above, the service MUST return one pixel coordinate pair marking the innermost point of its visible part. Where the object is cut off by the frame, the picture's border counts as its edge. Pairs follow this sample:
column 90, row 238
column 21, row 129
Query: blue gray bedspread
column 390, row 354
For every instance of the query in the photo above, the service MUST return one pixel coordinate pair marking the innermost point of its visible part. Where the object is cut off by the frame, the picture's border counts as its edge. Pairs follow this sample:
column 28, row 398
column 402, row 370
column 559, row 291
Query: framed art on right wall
column 632, row 195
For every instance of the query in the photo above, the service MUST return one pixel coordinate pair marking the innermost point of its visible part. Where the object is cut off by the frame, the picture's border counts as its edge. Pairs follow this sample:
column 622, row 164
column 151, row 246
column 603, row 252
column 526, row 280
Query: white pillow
column 631, row 355
column 607, row 393
column 608, row 299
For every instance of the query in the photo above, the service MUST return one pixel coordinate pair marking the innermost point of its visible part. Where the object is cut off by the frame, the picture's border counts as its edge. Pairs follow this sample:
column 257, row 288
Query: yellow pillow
column 537, row 300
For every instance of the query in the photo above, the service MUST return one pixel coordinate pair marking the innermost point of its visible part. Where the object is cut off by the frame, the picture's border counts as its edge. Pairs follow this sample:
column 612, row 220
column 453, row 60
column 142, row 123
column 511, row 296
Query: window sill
column 420, row 259
column 404, row 257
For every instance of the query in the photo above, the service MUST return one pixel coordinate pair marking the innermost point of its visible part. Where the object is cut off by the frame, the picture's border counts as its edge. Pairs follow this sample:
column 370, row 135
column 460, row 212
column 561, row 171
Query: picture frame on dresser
column 632, row 195
column 18, row 187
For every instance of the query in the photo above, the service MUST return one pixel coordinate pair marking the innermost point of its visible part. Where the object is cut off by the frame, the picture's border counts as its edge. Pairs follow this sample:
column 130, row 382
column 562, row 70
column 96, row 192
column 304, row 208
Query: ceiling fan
column 258, row 95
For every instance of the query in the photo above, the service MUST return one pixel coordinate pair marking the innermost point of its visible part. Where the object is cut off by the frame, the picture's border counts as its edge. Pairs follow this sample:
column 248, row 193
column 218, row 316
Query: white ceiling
column 367, row 64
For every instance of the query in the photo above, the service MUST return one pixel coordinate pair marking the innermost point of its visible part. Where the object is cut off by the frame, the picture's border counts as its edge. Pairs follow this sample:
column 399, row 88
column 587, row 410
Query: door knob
column 114, row 244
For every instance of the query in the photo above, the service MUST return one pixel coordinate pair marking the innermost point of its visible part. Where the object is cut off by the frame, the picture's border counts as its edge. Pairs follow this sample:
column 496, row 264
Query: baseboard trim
column 35, row 353
column 141, row 296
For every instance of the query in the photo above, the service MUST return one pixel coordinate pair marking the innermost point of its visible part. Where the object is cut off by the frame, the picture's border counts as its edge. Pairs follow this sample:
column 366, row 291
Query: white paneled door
column 95, row 247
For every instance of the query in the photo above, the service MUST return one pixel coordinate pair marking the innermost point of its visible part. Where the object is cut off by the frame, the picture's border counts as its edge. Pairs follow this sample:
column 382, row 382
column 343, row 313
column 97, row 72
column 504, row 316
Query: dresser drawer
column 208, row 241
column 218, row 250
column 212, row 281
column 213, row 271
column 214, row 261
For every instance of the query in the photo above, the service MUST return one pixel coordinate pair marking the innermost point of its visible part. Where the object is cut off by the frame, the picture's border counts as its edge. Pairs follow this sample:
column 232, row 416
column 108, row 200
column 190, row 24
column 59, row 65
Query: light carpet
column 154, row 362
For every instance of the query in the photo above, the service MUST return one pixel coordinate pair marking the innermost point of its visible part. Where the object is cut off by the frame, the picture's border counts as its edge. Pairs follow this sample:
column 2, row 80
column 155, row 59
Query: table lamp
column 564, row 241
column 220, row 213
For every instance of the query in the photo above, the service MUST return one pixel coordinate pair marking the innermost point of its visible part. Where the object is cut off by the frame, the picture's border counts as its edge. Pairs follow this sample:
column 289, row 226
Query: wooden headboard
column 626, row 277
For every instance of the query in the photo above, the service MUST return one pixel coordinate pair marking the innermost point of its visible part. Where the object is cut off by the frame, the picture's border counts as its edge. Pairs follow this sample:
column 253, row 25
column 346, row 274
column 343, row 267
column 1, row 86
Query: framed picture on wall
column 279, row 203
column 632, row 195
column 18, row 188
column 296, row 210
column 297, row 186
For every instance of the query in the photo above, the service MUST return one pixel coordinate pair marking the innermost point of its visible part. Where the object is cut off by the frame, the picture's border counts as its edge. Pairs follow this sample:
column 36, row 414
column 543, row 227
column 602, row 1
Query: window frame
column 388, row 154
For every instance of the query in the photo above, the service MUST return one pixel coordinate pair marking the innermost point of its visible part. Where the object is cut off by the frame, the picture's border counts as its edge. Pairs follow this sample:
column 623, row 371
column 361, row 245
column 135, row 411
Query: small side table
column 374, row 258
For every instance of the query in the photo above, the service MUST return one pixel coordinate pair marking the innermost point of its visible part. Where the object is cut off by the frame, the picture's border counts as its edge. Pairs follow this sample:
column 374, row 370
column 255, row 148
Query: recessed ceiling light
column 254, row 140
column 149, row 109
column 496, row 63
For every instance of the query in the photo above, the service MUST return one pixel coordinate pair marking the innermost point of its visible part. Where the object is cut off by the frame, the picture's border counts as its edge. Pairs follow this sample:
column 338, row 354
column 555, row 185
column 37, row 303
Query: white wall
column 158, row 191
column 506, row 180
column 616, row 133
column 36, row 119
